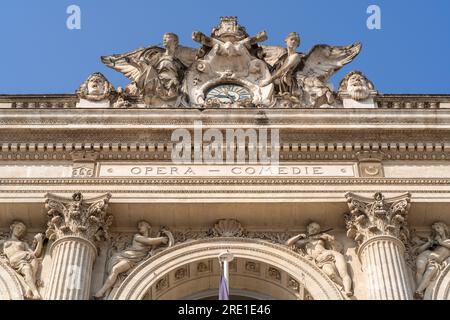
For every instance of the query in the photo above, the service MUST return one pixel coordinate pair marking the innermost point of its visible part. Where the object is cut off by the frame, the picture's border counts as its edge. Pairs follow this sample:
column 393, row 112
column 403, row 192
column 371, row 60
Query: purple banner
column 223, row 289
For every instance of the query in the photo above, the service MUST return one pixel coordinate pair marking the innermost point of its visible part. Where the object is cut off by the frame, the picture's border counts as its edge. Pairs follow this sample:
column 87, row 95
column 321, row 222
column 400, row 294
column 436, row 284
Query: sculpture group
column 368, row 218
column 231, row 69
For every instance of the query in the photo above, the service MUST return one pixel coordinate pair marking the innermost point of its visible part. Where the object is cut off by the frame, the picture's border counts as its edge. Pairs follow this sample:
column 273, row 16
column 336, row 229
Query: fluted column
column 383, row 262
column 73, row 225
column 379, row 226
column 72, row 261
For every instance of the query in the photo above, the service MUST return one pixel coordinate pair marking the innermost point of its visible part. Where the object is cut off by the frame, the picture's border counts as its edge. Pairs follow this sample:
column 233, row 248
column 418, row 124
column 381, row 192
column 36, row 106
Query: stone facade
column 93, row 204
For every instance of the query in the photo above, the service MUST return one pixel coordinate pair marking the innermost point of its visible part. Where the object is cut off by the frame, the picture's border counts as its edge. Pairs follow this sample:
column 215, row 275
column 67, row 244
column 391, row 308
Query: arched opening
column 249, row 280
column 261, row 270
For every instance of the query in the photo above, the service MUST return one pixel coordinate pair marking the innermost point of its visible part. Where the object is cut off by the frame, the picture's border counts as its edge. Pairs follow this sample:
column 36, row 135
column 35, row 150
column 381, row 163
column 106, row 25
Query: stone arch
column 141, row 279
column 441, row 290
column 10, row 288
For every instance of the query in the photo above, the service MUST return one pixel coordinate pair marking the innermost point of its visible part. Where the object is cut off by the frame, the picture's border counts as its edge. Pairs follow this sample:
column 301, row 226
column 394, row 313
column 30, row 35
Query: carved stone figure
column 356, row 85
column 306, row 77
column 22, row 258
column 96, row 88
column 142, row 247
column 432, row 257
column 326, row 253
column 284, row 74
column 156, row 73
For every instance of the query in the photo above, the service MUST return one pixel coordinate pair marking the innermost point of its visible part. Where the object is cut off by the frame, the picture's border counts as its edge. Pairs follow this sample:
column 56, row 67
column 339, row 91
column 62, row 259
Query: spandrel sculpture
column 326, row 253
column 142, row 247
column 22, row 258
column 433, row 256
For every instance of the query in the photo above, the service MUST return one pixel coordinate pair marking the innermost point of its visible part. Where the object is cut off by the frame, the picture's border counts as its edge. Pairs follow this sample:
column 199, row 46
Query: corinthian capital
column 77, row 216
column 377, row 216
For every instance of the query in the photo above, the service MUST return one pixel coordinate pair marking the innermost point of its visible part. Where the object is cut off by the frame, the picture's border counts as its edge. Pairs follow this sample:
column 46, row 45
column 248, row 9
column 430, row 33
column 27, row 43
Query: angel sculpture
column 326, row 253
column 22, row 258
column 156, row 73
column 143, row 246
column 305, row 77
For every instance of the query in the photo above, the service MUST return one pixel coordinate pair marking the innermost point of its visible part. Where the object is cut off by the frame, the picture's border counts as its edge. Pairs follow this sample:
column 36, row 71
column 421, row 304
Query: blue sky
column 410, row 54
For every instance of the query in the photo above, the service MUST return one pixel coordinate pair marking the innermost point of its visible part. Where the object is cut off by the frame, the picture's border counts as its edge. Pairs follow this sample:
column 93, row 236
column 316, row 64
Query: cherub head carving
column 96, row 88
column 356, row 85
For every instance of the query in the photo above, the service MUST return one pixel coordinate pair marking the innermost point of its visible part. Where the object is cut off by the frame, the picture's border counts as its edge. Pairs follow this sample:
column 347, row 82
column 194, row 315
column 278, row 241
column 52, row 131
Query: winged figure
column 306, row 76
column 155, row 73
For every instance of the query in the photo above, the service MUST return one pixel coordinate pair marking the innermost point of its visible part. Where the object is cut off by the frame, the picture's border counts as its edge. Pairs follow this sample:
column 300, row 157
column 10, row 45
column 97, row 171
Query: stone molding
column 307, row 150
column 10, row 288
column 441, row 290
column 221, row 181
column 69, row 101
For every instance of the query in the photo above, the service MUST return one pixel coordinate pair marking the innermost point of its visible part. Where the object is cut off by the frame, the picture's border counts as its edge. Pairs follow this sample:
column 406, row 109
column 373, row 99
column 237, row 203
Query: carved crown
column 229, row 27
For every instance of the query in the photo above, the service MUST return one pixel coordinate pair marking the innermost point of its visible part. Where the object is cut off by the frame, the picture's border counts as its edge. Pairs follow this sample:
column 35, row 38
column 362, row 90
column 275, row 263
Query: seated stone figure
column 22, row 258
column 125, row 260
column 324, row 250
column 432, row 255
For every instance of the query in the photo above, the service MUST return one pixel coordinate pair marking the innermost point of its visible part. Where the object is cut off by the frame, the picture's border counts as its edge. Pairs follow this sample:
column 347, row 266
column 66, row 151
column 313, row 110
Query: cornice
column 305, row 119
column 308, row 150
column 227, row 181
column 69, row 101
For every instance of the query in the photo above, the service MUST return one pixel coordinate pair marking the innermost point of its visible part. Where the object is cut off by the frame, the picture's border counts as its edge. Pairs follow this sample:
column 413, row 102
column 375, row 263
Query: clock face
column 229, row 94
